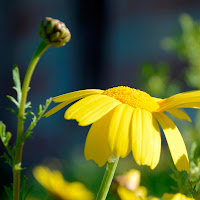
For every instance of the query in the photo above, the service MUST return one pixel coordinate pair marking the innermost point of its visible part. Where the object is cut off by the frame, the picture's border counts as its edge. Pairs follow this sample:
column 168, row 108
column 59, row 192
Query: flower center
column 133, row 97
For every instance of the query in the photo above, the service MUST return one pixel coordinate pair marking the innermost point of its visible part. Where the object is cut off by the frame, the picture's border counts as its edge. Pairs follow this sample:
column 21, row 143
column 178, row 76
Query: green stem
column 107, row 179
column 21, row 116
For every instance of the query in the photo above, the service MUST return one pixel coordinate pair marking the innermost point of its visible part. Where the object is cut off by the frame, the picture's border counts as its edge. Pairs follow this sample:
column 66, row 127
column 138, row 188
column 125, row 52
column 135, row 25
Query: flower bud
column 54, row 32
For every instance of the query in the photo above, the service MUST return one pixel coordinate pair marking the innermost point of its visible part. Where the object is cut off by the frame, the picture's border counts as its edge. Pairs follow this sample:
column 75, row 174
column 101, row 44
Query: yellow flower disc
column 133, row 97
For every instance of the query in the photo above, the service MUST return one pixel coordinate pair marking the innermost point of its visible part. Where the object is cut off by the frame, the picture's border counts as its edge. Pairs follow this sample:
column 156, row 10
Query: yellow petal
column 126, row 194
column 91, row 108
column 131, row 179
column 56, row 109
column 190, row 105
column 119, row 131
column 175, row 142
column 146, row 139
column 157, row 99
column 77, row 191
column 96, row 145
column 73, row 96
column 177, row 196
column 179, row 114
column 181, row 100
column 141, row 191
column 54, row 182
column 47, row 178
column 69, row 98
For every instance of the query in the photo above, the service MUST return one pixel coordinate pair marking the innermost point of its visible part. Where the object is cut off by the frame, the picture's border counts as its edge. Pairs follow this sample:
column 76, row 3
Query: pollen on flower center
column 133, row 97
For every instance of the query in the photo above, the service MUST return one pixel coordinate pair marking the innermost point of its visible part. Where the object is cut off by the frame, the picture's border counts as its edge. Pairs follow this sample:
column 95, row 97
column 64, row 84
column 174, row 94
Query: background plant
column 54, row 33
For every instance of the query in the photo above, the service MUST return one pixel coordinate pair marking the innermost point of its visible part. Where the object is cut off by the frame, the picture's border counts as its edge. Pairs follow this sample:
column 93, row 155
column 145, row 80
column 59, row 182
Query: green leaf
column 41, row 111
column 2, row 129
column 13, row 100
column 25, row 189
column 5, row 137
column 193, row 190
column 30, row 112
column 28, row 190
column 13, row 111
column 181, row 178
column 23, row 186
column 28, row 105
column 17, row 82
column 8, row 160
column 9, row 192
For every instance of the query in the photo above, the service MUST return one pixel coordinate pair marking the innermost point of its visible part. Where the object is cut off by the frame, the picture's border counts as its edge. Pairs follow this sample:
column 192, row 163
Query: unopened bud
column 54, row 32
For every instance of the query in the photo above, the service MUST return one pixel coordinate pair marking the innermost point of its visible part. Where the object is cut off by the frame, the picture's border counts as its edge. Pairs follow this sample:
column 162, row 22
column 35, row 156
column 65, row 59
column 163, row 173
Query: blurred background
column 149, row 44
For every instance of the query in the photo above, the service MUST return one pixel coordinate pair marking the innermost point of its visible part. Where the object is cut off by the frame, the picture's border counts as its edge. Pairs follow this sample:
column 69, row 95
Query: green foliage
column 36, row 118
column 5, row 136
column 186, row 44
column 17, row 88
column 195, row 168
column 9, row 192
column 155, row 79
column 17, row 82
column 25, row 189
column 181, row 179
column 195, row 193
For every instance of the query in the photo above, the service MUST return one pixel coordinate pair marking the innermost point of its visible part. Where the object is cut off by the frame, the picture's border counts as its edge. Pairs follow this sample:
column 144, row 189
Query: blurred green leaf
column 25, row 189
column 156, row 80
column 186, row 44
column 17, row 82
column 9, row 192
column 8, row 160
column 5, row 136
column 13, row 100
column 181, row 178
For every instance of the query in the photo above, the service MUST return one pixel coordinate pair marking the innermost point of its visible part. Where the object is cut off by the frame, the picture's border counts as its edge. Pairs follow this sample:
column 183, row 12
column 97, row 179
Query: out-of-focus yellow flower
column 131, row 181
column 125, row 119
column 177, row 196
column 128, row 187
column 55, row 184
column 126, row 194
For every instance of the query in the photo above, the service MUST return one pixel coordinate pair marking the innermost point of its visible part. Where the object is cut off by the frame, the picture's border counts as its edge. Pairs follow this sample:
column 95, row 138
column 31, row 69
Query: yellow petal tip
column 47, row 114
column 183, row 164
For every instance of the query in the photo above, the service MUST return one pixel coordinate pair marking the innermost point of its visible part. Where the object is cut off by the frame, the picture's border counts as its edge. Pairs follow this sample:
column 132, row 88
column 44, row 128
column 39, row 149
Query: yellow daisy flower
column 125, row 119
column 177, row 196
column 55, row 184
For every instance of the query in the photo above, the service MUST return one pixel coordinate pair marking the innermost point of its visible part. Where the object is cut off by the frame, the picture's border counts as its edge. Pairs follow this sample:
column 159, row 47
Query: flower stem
column 107, row 179
column 21, row 117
